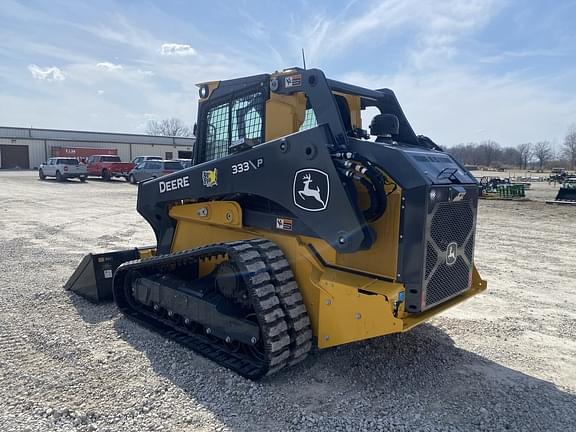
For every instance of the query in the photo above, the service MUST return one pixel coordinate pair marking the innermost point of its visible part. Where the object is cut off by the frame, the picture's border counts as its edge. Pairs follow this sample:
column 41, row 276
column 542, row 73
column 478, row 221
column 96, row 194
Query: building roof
column 70, row 135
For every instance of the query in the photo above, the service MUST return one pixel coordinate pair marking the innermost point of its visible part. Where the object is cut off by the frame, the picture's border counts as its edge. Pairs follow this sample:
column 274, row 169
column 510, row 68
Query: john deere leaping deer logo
column 311, row 189
column 451, row 253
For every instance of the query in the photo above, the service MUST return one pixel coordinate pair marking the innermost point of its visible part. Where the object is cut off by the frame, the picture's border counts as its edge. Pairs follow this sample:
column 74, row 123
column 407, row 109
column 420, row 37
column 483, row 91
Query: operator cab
column 236, row 115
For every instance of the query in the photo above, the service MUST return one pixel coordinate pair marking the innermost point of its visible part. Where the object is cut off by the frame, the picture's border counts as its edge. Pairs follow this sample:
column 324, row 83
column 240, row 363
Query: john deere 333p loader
column 295, row 227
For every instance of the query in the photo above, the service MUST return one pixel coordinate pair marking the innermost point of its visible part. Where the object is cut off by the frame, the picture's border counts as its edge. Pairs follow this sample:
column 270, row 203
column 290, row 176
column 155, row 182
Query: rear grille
column 469, row 249
column 451, row 222
column 447, row 281
column 431, row 258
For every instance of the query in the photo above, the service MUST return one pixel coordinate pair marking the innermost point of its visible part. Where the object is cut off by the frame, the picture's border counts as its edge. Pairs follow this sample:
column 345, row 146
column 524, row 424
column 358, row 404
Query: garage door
column 14, row 156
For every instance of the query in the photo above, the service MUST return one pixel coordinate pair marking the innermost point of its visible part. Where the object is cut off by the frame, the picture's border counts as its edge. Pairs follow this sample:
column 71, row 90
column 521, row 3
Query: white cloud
column 176, row 49
column 436, row 28
column 145, row 72
column 438, row 70
column 109, row 67
column 503, row 56
column 46, row 74
column 102, row 75
column 454, row 105
column 120, row 30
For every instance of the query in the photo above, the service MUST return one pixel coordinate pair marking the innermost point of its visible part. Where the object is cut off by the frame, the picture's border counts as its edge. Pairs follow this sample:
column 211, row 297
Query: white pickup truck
column 62, row 169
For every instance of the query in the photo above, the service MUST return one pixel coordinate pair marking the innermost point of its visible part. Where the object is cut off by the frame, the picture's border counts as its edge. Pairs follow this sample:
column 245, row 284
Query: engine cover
column 437, row 221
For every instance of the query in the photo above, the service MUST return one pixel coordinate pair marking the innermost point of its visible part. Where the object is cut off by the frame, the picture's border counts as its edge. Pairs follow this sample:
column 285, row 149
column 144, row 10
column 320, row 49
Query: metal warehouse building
column 27, row 148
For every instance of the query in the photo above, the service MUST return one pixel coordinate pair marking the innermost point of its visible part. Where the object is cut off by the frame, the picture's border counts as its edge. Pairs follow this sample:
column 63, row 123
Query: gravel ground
column 505, row 360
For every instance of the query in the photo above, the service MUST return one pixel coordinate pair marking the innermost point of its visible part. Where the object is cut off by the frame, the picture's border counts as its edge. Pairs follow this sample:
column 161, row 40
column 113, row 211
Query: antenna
column 303, row 58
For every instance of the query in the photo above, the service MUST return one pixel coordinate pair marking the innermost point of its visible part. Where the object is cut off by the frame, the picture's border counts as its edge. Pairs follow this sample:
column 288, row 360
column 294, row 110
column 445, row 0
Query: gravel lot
column 505, row 360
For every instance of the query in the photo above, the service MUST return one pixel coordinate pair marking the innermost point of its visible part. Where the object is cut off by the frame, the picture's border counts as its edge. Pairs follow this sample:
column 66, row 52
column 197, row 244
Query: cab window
column 232, row 122
column 247, row 118
column 110, row 159
column 175, row 166
column 309, row 120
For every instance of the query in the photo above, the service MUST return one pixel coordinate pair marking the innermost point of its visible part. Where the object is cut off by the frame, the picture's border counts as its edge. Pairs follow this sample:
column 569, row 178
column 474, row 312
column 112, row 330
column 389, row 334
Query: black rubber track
column 280, row 339
column 290, row 299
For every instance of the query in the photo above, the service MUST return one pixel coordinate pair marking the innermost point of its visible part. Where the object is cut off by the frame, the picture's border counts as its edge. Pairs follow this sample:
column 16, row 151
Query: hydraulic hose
column 352, row 165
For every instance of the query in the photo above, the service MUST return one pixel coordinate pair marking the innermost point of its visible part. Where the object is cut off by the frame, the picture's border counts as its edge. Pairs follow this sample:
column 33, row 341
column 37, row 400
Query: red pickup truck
column 107, row 166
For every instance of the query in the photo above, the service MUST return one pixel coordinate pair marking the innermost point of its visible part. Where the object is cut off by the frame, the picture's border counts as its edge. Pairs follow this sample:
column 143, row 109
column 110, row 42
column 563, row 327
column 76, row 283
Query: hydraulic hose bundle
column 355, row 166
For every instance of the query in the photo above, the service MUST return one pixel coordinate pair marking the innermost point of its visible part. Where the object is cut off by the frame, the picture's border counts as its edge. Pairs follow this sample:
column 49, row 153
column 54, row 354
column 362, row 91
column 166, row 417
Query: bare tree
column 489, row 151
column 466, row 153
column 569, row 146
column 172, row 127
column 543, row 152
column 511, row 157
column 459, row 152
column 526, row 152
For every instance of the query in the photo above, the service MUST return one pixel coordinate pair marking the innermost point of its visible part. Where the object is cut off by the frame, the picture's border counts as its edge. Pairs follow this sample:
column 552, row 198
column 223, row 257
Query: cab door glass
column 217, row 129
column 247, row 119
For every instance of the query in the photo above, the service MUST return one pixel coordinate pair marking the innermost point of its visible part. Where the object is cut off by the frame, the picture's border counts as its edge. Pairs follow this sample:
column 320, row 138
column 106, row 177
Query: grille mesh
column 431, row 258
column 451, row 222
column 469, row 248
column 447, row 281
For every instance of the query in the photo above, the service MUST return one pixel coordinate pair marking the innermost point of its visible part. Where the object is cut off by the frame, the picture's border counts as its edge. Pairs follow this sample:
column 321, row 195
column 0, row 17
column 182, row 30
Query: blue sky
column 463, row 70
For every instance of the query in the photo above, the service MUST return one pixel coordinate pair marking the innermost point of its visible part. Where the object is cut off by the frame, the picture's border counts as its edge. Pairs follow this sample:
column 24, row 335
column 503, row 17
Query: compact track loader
column 295, row 226
column 567, row 192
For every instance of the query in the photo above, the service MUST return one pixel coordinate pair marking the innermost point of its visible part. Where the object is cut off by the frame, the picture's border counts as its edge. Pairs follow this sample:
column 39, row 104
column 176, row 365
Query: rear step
column 92, row 279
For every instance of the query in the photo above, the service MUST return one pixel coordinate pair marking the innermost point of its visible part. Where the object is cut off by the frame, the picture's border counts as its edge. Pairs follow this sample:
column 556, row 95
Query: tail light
column 65, row 167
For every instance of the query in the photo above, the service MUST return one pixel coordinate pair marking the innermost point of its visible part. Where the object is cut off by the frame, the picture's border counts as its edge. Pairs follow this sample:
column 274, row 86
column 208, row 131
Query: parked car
column 152, row 169
column 186, row 163
column 106, row 166
column 62, row 169
column 138, row 160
